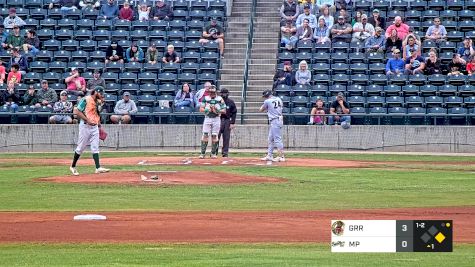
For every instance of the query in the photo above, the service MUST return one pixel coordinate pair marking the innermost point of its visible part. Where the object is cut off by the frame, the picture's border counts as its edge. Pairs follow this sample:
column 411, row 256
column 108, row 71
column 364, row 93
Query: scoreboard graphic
column 391, row 235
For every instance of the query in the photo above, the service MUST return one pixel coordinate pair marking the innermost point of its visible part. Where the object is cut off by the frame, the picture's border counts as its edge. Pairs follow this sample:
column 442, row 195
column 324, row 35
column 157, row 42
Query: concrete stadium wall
column 49, row 138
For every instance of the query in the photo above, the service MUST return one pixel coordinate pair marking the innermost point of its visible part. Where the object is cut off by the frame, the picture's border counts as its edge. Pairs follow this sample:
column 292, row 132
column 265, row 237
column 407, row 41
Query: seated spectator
column 393, row 42
column 401, row 28
column 75, row 84
column 342, row 4
column 3, row 38
column 32, row 43
column 457, row 64
column 123, row 110
column 134, row 53
column 151, row 56
column 96, row 80
column 46, row 96
column 357, row 18
column 471, row 66
column 326, row 3
column 362, row 30
column 89, row 4
column 62, row 107
column 66, row 5
column 10, row 97
column 410, row 43
column 126, row 13
column 303, row 33
column 3, row 73
column 395, row 65
column 30, row 98
column 287, row 32
column 202, row 93
column 376, row 20
column 467, row 50
column 329, row 20
column 303, row 75
column 14, row 76
column 144, row 12
column 15, row 39
column 415, row 64
column 315, row 115
column 289, row 11
column 114, row 53
column 321, row 34
column 184, row 97
column 376, row 43
column 454, row 70
column 310, row 3
column 343, row 13
column 170, row 56
column 312, row 20
column 110, row 10
column 283, row 76
column 433, row 64
column 161, row 11
column 12, row 20
column 20, row 60
column 214, row 32
column 340, row 110
column 341, row 31
column 436, row 32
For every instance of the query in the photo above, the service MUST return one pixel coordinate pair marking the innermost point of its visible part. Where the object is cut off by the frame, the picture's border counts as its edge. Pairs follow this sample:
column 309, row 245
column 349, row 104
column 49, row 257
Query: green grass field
column 402, row 181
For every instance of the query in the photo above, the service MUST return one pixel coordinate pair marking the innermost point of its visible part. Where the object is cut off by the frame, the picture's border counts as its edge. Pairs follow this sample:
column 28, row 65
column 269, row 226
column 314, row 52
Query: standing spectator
column 3, row 38
column 134, row 53
column 32, row 43
column 96, row 80
column 436, row 32
column 3, row 73
column 109, row 10
column 312, row 20
column 340, row 110
column 13, row 20
column 376, row 43
column 313, row 7
column 433, row 64
column 283, row 76
column 62, row 107
column 202, row 93
column 303, row 75
column 401, row 28
column 46, row 96
column 14, row 76
column 362, row 30
column 395, row 65
column 89, row 4
column 316, row 114
column 184, row 97
column 161, row 11
column 151, row 57
column 287, row 32
column 414, row 64
column 228, row 121
column 144, row 12
column 126, row 13
column 123, row 110
column 65, row 5
column 329, row 20
column 214, row 32
column 76, row 85
column 289, row 11
column 467, row 50
column 114, row 53
column 456, row 65
column 411, row 43
column 10, row 97
column 20, row 60
column 376, row 20
column 15, row 40
column 303, row 33
column 471, row 66
column 341, row 32
column 393, row 42
column 321, row 34
column 170, row 56
column 30, row 98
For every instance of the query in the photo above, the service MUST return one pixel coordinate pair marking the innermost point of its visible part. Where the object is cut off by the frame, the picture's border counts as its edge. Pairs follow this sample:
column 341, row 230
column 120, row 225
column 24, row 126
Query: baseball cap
column 73, row 68
column 153, row 45
column 126, row 94
column 113, row 42
column 64, row 92
column 212, row 88
column 266, row 93
column 396, row 51
column 340, row 94
column 341, row 17
column 375, row 10
column 99, row 89
column 224, row 91
column 467, row 38
column 287, row 63
column 364, row 16
column 306, row 6
column 97, row 71
column 378, row 29
column 44, row 81
column 12, row 10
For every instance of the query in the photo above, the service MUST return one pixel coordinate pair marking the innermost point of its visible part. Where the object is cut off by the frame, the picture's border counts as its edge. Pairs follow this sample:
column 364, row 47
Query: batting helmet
column 266, row 93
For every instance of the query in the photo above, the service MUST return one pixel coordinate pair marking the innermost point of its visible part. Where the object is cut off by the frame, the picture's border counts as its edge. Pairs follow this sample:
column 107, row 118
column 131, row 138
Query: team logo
column 338, row 228
column 340, row 244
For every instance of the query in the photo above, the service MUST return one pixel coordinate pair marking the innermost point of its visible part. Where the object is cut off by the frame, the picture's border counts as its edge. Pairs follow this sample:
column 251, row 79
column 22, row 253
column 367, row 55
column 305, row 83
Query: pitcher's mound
column 164, row 178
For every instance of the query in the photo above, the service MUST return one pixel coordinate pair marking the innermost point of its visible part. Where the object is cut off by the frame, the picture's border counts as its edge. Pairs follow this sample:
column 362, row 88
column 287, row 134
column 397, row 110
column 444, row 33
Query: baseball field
column 178, row 210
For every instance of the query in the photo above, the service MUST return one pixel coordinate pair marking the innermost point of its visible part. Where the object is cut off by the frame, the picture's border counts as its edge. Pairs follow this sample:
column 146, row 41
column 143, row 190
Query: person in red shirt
column 14, row 76
column 126, row 12
column 471, row 66
column 76, row 84
column 2, row 72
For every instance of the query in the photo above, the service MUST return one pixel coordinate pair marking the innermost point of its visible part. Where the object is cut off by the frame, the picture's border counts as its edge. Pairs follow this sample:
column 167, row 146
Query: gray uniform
column 273, row 106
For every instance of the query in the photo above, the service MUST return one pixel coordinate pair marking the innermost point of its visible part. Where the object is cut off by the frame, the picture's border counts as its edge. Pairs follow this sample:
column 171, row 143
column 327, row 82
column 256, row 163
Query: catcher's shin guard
column 214, row 148
column 204, row 144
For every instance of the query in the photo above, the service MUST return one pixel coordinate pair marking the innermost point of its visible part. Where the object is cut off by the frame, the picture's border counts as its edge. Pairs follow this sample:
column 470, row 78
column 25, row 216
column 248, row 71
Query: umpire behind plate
column 228, row 120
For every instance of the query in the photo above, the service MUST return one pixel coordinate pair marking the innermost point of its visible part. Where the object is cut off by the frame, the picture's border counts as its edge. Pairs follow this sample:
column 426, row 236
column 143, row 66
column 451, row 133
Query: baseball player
column 273, row 106
column 228, row 119
column 88, row 111
column 213, row 106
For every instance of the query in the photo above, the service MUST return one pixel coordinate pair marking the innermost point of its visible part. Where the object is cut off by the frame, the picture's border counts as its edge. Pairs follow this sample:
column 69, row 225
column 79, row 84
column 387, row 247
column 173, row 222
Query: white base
column 89, row 217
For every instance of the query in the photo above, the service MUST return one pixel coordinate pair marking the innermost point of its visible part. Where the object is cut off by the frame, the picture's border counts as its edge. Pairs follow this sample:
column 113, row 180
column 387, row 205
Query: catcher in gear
column 212, row 106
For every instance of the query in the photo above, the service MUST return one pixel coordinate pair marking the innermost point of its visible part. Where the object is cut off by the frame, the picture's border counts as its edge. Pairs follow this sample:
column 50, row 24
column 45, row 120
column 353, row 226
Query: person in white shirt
column 362, row 30
column 312, row 19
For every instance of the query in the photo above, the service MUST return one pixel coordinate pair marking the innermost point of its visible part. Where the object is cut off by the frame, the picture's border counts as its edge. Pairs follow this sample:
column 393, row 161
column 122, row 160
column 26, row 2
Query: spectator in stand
column 303, row 75
column 13, row 20
column 316, row 114
column 471, row 66
column 303, row 33
column 30, row 98
column 289, row 11
column 151, row 57
column 161, row 11
column 343, row 13
column 144, row 12
column 126, row 13
column 341, row 31
column 65, row 5
column 340, row 110
column 376, row 43
column 467, row 50
column 184, row 97
column 312, row 20
column 89, row 4
column 214, row 32
column 342, row 4
column 202, row 93
column 63, row 106
column 410, row 43
column 287, row 32
column 32, row 43
column 75, row 84
column 362, row 30
column 15, row 39
column 123, row 110
column 309, row 3
column 114, row 53
column 96, row 80
column 436, row 32
column 395, row 65
column 14, row 76
column 326, row 3
column 321, row 34
column 3, row 72
column 357, row 18
column 456, row 65
column 3, row 38
column 283, row 76
column 433, row 64
column 10, row 97
column 393, row 42
column 414, row 64
column 401, row 28
column 20, row 60
column 46, row 96
column 109, row 10
column 376, row 20
column 134, row 53
column 329, row 20
column 170, row 56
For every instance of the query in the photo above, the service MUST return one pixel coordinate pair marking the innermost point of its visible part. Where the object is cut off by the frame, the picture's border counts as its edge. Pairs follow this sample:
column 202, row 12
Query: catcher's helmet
column 266, row 93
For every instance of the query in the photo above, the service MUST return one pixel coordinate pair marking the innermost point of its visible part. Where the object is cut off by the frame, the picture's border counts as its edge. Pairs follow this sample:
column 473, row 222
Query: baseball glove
column 102, row 134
